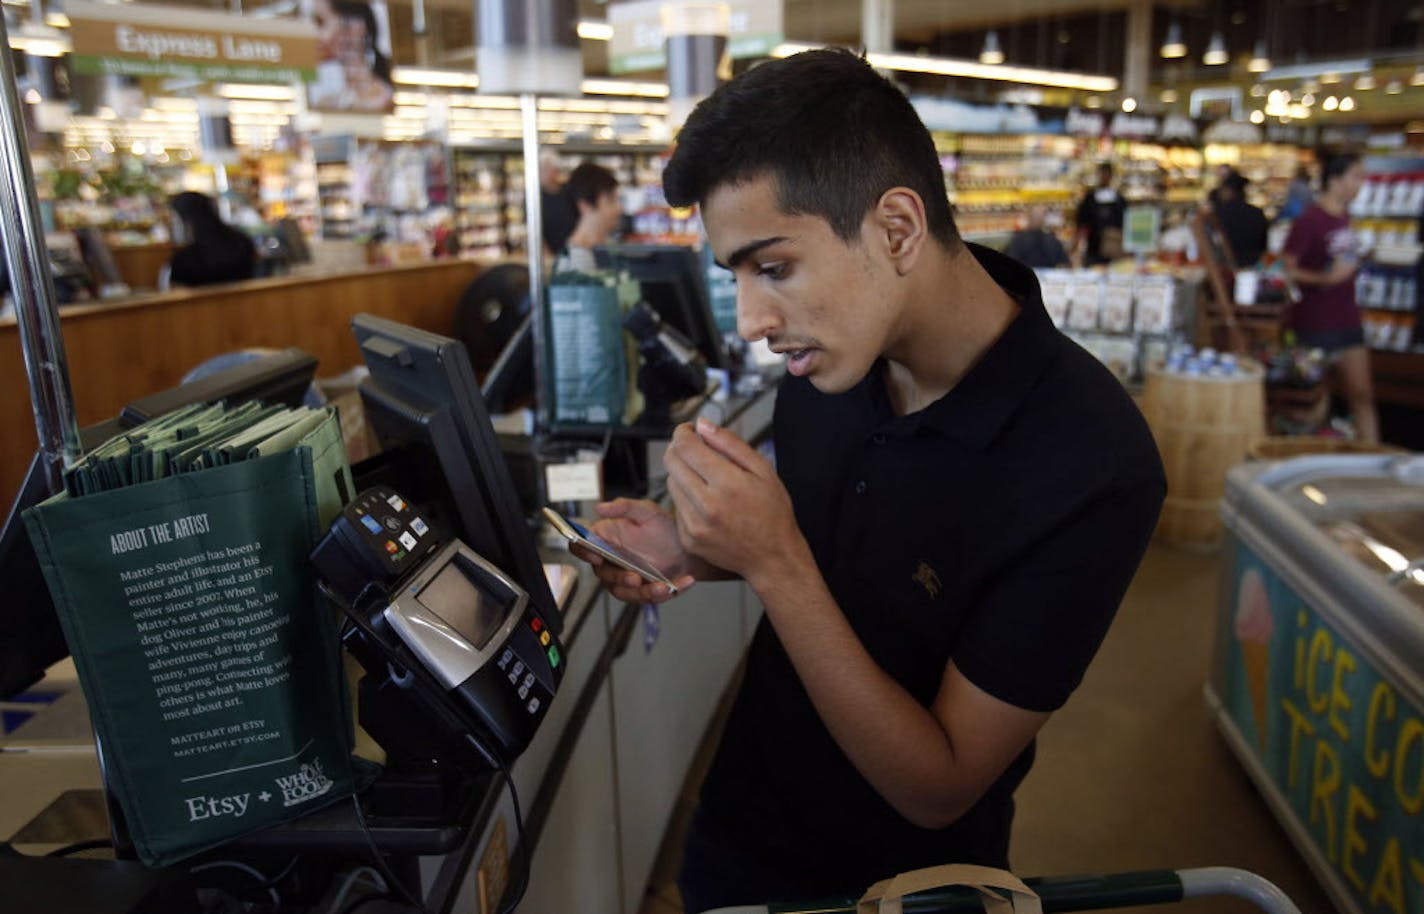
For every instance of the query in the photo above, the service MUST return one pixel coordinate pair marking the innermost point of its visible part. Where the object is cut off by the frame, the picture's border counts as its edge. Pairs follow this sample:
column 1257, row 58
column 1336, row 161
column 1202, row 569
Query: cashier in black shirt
column 1244, row 225
column 959, row 500
column 215, row 252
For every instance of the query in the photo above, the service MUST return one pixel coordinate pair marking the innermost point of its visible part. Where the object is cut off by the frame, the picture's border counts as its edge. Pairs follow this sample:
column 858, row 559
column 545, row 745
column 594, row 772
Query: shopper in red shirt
column 1322, row 256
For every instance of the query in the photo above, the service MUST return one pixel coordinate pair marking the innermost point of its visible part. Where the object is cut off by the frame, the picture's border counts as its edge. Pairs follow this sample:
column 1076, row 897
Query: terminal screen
column 467, row 608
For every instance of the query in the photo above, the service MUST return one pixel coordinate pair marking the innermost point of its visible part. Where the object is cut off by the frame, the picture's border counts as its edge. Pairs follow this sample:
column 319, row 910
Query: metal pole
column 534, row 243
column 23, row 236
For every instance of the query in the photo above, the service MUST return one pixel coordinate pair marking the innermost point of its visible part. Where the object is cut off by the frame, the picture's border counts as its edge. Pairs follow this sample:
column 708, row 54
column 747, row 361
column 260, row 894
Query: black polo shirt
column 999, row 526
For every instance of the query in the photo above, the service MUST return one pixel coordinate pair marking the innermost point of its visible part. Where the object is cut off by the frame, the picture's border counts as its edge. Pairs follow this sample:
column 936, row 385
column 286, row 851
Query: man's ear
column 901, row 227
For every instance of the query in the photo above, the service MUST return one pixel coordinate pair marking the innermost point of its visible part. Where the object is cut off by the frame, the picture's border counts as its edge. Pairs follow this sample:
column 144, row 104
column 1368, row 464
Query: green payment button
column 553, row 656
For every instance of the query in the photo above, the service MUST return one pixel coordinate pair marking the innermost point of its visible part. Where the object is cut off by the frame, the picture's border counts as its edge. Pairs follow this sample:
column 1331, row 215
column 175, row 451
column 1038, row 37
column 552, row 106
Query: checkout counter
column 599, row 780
column 125, row 349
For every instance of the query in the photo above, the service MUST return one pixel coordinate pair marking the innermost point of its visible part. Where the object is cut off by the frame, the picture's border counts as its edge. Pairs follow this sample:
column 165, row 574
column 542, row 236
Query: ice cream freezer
column 1317, row 677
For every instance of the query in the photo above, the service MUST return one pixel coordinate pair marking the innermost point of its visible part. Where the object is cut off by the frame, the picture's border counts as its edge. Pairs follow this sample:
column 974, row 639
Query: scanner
column 440, row 625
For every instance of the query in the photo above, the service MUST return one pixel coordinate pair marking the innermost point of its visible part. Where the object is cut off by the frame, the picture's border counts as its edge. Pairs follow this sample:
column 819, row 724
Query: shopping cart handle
column 1077, row 893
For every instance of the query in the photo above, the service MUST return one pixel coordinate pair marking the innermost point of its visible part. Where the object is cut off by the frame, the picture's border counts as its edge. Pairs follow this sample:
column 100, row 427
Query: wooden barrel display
column 1204, row 425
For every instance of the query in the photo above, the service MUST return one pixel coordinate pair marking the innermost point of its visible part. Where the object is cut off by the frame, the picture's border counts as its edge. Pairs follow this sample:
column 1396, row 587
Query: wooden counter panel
column 119, row 353
column 1398, row 377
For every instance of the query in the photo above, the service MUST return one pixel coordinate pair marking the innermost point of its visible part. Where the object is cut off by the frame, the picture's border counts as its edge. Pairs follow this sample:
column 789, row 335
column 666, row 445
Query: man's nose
column 756, row 318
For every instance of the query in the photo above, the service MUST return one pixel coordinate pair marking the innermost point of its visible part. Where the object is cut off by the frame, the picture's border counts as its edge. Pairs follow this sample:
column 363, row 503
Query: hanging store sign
column 1084, row 123
column 951, row 115
column 1290, row 134
column 1133, row 125
column 755, row 27
column 133, row 40
column 1178, row 127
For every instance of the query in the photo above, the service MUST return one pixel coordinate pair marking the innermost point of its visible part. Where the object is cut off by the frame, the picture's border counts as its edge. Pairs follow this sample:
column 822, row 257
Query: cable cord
column 521, row 848
column 381, row 864
column 262, row 881
column 382, row 888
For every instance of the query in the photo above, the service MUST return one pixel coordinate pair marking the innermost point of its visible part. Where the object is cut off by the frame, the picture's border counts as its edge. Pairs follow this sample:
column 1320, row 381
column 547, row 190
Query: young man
column 960, row 498
column 592, row 191
column 1099, row 219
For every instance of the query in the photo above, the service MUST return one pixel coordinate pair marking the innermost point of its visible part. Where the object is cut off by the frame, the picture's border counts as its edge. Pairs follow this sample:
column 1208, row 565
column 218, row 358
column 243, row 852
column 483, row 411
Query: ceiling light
column 992, row 55
column 1347, row 104
column 1260, row 63
column 1307, row 99
column 39, row 40
column 593, row 30
column 56, row 19
column 1169, row 96
column 1331, row 103
column 1173, row 45
column 1258, row 91
column 419, row 76
column 624, row 87
column 256, row 92
column 32, row 97
column 1393, row 87
column 1129, row 104
column 1365, row 83
column 1324, row 71
column 972, row 69
column 1216, row 54
column 1258, row 116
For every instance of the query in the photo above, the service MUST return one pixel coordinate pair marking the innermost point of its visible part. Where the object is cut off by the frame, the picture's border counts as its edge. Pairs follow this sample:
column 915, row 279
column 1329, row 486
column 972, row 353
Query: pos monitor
column 439, row 449
column 674, row 283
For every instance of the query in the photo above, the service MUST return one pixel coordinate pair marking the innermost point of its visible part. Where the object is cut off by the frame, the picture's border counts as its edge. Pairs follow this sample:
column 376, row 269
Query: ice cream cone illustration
column 1254, row 626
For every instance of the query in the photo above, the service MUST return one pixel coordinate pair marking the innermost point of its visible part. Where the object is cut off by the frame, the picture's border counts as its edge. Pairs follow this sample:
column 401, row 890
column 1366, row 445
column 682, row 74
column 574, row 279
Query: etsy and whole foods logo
column 307, row 783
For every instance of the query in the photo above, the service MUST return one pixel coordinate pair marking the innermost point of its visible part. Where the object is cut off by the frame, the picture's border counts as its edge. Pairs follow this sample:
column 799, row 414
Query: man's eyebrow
column 747, row 250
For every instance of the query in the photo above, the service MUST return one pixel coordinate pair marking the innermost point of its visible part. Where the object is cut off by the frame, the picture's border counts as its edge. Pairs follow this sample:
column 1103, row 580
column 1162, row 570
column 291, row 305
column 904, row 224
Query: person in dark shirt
column 1244, row 225
column 1035, row 246
column 215, row 252
column 934, row 586
column 560, row 214
column 1099, row 219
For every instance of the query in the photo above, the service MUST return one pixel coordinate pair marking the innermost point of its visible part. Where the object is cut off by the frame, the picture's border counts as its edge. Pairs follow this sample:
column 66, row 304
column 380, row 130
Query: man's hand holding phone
column 646, row 536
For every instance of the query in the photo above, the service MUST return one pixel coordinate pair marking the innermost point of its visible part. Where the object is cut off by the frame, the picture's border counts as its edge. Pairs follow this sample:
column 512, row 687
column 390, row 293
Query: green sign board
column 754, row 27
column 1141, row 229
column 217, row 72
column 1342, row 746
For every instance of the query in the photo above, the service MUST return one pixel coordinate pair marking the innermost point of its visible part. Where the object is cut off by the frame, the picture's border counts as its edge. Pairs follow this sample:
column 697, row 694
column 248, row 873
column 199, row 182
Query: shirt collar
column 986, row 397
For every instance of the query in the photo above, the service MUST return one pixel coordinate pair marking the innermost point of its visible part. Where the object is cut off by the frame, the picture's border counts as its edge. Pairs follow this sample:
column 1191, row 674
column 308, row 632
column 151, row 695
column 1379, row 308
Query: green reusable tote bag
column 208, row 659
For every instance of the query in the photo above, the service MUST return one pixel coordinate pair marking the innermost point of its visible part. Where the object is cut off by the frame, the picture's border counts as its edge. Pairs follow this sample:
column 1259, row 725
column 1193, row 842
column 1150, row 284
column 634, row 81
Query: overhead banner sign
column 756, row 26
column 134, row 40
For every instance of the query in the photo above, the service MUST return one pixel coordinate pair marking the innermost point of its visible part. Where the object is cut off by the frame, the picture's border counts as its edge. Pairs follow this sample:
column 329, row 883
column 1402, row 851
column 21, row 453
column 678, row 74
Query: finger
column 707, row 463
column 725, row 442
column 631, row 508
column 687, row 490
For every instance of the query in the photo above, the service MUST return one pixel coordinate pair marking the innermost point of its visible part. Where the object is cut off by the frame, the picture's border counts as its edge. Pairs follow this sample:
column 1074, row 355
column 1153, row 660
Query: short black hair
column 1335, row 165
column 588, row 182
column 833, row 135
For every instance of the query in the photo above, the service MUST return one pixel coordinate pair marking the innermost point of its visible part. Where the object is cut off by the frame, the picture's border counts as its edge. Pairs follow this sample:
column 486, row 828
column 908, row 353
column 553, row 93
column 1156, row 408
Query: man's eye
column 772, row 270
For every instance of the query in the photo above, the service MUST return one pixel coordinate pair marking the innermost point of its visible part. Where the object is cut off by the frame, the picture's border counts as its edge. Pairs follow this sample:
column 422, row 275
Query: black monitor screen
column 440, row 449
column 30, row 636
column 674, row 283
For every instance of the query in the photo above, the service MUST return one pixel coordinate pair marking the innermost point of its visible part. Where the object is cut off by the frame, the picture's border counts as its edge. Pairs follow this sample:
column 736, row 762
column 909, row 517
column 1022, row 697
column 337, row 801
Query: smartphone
column 578, row 534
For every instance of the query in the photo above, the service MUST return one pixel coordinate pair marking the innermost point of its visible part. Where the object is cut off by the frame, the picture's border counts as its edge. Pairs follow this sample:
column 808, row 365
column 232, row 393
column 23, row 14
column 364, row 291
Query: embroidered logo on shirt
column 926, row 577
